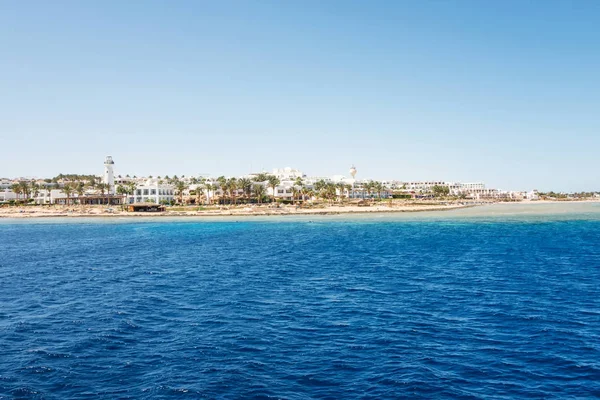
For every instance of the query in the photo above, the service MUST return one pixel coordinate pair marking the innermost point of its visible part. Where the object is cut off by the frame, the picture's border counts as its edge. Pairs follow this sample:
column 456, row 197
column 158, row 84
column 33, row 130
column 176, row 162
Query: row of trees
column 234, row 189
column 26, row 191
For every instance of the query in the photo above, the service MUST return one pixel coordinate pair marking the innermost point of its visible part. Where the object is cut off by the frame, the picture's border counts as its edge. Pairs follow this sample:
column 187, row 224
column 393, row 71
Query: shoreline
column 332, row 210
column 101, row 212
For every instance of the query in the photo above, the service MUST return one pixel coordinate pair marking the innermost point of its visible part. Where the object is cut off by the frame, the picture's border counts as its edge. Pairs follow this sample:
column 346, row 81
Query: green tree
column 341, row 186
column 368, row 187
column 246, row 185
column 199, row 192
column 273, row 182
column 299, row 187
column 440, row 191
column 104, row 189
column 180, row 187
column 68, row 191
column 17, row 189
column 259, row 191
column 131, row 187
column 378, row 187
column 295, row 193
column 121, row 191
column 35, row 189
column 213, row 187
column 80, row 190
column 25, row 189
column 49, row 189
column 232, row 186
column 262, row 177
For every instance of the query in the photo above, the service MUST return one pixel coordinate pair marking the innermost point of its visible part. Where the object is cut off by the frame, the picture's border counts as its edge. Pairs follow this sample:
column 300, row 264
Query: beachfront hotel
column 119, row 189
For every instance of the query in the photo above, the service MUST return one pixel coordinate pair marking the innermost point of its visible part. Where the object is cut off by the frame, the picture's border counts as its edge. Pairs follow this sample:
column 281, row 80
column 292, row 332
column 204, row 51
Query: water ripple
column 342, row 309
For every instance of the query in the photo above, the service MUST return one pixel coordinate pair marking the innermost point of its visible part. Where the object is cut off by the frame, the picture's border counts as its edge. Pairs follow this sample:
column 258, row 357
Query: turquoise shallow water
column 480, row 303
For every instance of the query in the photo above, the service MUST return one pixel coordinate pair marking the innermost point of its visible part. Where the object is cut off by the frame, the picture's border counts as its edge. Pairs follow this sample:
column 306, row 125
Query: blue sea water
column 463, row 308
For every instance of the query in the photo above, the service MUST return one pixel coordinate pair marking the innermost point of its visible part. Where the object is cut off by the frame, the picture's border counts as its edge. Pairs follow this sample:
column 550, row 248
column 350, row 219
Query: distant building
column 287, row 173
column 109, row 175
column 152, row 191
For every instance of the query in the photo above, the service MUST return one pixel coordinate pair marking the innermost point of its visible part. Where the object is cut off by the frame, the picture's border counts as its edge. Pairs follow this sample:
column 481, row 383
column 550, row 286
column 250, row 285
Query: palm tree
column 348, row 188
column 295, row 193
column 299, row 183
column 259, row 191
column 273, row 183
column 368, row 187
column 103, row 188
column 232, row 186
column 246, row 185
column 262, row 177
column 80, row 189
column 25, row 189
column 329, row 191
column 180, row 187
column 320, row 188
column 121, row 191
column 18, row 189
column 68, row 190
column 378, row 186
column 304, row 191
column 49, row 190
column 130, row 189
column 199, row 192
column 35, row 189
column 341, row 186
column 213, row 187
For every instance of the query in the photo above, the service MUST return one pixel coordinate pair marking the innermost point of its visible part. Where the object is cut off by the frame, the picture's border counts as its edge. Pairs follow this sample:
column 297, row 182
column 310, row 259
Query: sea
column 491, row 302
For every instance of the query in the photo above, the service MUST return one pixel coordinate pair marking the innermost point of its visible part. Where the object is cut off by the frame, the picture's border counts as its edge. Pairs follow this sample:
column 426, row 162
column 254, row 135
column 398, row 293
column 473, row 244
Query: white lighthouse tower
column 353, row 174
column 109, row 176
column 353, row 171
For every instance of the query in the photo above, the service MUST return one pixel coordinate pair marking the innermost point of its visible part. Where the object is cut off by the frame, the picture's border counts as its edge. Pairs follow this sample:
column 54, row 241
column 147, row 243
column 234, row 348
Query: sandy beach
column 254, row 210
column 103, row 211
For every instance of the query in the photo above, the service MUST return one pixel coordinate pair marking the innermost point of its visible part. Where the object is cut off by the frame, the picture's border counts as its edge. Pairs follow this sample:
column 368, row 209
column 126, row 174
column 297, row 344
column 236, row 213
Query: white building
column 7, row 195
column 152, row 191
column 532, row 195
column 287, row 173
column 109, row 175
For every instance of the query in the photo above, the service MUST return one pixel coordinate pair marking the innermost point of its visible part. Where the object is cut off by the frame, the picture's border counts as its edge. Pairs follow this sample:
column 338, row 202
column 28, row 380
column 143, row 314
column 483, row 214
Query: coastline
column 98, row 212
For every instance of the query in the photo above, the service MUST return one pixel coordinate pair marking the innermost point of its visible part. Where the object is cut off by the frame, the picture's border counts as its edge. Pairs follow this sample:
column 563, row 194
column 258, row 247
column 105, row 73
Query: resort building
column 152, row 191
column 287, row 173
column 7, row 195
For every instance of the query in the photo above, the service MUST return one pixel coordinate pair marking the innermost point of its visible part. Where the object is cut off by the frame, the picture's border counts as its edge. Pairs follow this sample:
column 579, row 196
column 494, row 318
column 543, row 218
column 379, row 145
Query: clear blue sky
column 505, row 92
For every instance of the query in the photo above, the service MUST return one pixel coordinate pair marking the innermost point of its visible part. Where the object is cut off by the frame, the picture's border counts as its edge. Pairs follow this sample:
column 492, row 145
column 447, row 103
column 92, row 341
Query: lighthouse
column 353, row 171
column 109, row 176
column 353, row 174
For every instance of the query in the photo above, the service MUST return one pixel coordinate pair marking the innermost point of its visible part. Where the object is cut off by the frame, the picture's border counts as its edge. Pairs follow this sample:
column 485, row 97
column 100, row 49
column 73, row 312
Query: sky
column 504, row 92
